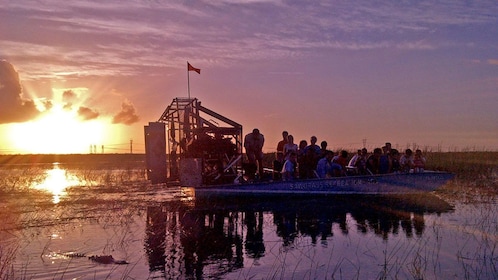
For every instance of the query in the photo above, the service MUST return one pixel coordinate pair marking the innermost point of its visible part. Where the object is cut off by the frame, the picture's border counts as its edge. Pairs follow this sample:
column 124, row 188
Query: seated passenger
column 289, row 170
column 342, row 160
column 326, row 168
column 406, row 161
column 278, row 164
column 385, row 161
column 323, row 166
column 395, row 166
column 354, row 159
column 309, row 164
column 361, row 163
column 418, row 162
column 373, row 161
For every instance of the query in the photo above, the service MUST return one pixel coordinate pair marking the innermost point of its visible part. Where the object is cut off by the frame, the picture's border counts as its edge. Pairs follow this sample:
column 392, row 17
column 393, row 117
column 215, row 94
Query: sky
column 86, row 76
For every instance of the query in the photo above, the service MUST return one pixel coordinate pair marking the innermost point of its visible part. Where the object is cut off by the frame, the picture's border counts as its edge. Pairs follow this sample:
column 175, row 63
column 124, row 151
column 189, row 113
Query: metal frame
column 187, row 121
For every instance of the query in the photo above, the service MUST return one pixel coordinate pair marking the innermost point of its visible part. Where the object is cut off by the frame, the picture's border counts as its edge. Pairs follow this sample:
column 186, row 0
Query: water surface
column 54, row 218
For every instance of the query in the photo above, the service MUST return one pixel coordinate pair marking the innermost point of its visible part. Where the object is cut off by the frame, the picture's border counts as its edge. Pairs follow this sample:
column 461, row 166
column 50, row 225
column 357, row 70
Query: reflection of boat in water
column 374, row 184
column 214, row 235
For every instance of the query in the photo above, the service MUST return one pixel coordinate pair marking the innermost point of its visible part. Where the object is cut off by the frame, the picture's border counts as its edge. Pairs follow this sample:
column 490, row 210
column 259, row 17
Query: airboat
column 197, row 148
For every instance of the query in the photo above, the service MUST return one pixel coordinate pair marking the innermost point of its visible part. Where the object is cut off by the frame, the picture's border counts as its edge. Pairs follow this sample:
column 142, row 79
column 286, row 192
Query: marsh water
column 54, row 218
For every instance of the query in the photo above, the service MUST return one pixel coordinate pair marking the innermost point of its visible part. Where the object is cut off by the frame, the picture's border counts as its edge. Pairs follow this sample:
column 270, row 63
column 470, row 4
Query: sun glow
column 58, row 131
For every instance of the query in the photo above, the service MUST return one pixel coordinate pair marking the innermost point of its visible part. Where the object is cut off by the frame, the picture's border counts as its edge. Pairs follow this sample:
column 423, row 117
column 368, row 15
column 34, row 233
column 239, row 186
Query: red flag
column 192, row 68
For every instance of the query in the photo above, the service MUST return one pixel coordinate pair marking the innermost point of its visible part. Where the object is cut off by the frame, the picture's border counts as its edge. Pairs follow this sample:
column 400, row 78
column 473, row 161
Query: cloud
column 48, row 104
column 87, row 114
column 68, row 96
column 12, row 107
column 141, row 29
column 127, row 115
column 493, row 61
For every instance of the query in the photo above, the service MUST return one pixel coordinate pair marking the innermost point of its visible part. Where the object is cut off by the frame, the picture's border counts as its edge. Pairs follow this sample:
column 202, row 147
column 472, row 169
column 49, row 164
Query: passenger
column 385, row 160
column 342, row 160
column 290, row 147
column 301, row 147
column 312, row 153
column 324, row 165
column 419, row 162
column 361, row 163
column 289, row 170
column 323, row 148
column 388, row 147
column 278, row 164
column 281, row 143
column 395, row 166
column 372, row 165
column 354, row 159
column 253, row 143
column 351, row 167
column 313, row 146
column 406, row 161
column 301, row 159
column 326, row 168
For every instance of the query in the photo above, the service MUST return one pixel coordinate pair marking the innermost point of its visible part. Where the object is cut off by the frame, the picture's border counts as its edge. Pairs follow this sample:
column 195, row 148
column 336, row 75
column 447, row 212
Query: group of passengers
column 312, row 161
column 305, row 160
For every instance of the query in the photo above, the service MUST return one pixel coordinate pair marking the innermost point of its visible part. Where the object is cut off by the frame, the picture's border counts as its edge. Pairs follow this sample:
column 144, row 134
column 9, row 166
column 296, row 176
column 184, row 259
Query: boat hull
column 375, row 184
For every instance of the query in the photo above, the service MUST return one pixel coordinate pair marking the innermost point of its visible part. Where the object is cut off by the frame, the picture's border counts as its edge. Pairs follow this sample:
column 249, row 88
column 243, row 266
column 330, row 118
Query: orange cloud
column 86, row 113
column 127, row 115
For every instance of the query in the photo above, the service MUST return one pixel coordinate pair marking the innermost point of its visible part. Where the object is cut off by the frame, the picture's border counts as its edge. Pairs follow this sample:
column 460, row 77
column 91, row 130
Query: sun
column 57, row 131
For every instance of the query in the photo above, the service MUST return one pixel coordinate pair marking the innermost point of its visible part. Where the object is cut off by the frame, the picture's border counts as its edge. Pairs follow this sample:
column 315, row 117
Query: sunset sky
column 80, row 73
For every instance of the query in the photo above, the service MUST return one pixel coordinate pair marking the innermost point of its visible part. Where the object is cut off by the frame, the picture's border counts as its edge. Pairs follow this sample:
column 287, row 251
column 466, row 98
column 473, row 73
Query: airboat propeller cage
column 192, row 144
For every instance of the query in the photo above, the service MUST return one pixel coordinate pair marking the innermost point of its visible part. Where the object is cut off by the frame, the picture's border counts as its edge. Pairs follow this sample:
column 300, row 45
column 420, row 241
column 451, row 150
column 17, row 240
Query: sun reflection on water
column 56, row 181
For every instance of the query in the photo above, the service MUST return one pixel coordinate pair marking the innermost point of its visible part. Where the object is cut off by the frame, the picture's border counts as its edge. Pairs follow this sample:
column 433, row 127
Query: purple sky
column 423, row 74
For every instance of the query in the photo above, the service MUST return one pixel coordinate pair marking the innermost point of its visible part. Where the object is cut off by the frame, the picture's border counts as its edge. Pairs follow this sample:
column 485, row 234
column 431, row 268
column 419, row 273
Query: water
column 53, row 218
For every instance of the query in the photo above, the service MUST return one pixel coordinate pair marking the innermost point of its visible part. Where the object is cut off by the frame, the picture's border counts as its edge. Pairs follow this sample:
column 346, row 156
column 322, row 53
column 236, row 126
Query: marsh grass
column 476, row 175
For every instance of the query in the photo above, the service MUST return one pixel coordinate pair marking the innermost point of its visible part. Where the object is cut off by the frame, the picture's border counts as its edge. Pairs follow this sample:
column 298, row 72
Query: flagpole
column 188, row 81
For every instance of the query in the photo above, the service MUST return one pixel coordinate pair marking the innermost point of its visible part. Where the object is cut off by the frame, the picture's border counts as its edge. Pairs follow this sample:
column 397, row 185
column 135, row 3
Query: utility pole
column 131, row 146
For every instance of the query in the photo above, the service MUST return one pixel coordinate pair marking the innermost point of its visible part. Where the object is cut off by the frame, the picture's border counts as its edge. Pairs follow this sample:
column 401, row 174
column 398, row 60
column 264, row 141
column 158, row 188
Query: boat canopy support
column 196, row 132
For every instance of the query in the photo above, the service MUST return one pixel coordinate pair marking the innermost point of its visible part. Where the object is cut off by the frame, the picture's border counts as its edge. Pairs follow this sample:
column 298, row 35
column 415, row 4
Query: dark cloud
column 86, row 113
column 127, row 115
column 12, row 107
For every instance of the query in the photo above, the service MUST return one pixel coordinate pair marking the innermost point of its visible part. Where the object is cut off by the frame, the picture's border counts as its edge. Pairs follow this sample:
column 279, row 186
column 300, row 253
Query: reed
column 7, row 256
